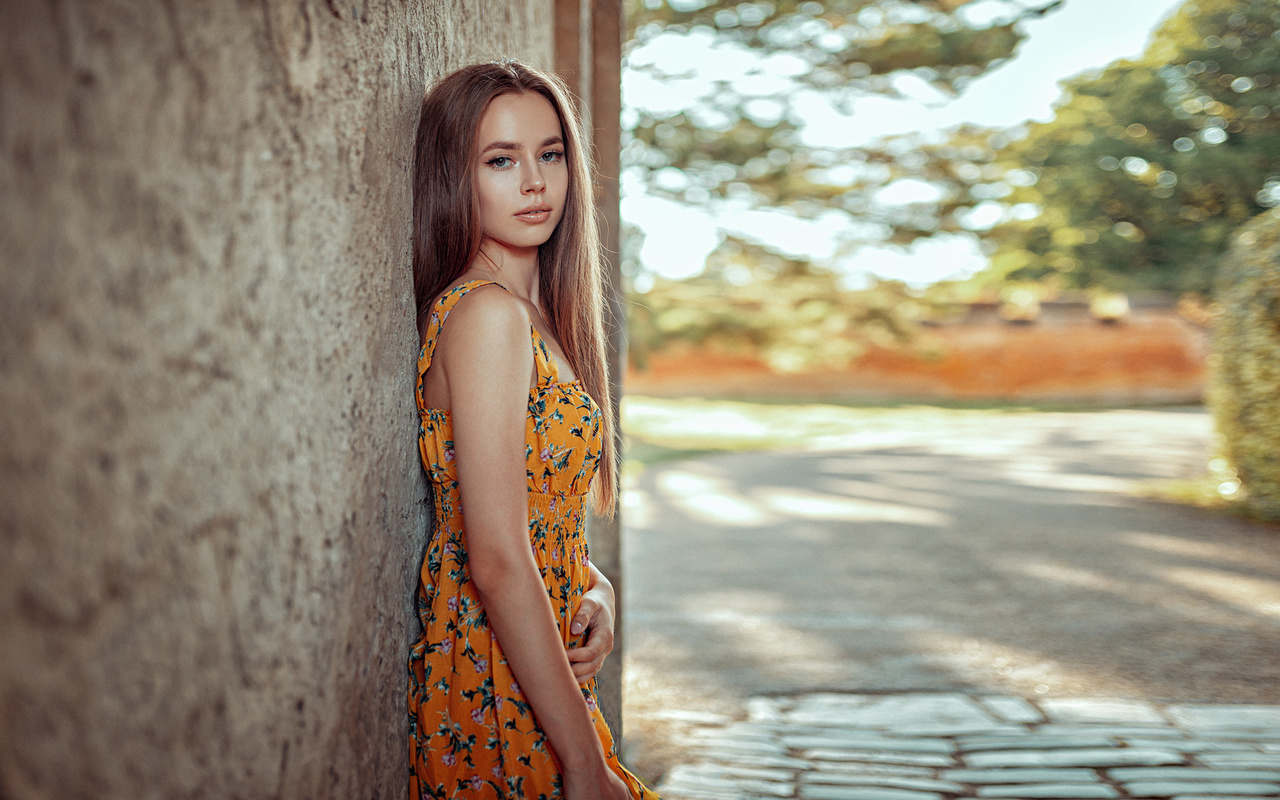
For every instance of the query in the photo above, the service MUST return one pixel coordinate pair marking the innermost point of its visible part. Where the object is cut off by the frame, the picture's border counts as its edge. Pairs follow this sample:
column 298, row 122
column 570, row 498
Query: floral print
column 472, row 733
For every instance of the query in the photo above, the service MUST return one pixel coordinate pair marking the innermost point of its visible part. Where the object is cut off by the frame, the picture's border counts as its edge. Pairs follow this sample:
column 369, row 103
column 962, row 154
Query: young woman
column 515, row 434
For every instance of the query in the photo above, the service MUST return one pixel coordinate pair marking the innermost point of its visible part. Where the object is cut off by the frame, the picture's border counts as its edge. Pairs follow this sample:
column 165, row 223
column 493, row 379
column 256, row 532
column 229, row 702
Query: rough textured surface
column 211, row 514
column 1246, row 376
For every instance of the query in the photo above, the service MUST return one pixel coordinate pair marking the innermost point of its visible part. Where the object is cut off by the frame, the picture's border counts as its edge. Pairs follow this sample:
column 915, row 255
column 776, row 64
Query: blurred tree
column 744, row 144
column 1148, row 165
column 1136, row 183
column 1245, row 395
column 756, row 302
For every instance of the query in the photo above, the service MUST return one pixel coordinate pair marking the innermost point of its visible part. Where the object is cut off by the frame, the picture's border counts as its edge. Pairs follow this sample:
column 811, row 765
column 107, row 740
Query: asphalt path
column 1008, row 556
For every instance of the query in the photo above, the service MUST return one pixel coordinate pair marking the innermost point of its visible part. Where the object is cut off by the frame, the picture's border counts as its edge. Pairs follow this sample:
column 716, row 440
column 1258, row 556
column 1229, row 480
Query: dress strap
column 548, row 374
column 543, row 360
column 435, row 324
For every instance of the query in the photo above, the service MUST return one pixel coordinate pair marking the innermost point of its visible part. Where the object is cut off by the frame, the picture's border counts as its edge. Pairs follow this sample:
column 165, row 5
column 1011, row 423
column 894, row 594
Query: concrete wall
column 211, row 510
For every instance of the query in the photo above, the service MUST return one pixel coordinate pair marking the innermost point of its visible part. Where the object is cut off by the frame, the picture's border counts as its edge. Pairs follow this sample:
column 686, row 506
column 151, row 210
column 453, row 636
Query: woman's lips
column 534, row 215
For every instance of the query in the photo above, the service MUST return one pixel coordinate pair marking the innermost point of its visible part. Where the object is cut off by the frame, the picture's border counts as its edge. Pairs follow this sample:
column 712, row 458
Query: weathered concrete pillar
column 211, row 512
column 588, row 40
column 607, row 36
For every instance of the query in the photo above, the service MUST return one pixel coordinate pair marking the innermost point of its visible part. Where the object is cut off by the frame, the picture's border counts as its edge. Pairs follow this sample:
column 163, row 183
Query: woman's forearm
column 515, row 601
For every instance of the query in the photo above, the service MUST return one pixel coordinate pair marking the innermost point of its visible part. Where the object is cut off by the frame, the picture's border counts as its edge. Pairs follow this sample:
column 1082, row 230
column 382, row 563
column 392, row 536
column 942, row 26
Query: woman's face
column 521, row 175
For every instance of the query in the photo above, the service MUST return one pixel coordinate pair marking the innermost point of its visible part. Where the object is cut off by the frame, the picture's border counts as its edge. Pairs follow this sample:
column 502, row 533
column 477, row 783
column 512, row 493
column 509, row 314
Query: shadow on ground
column 1009, row 558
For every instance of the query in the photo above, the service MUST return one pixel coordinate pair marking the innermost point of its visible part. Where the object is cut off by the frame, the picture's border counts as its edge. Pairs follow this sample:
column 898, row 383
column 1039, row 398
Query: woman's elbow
column 491, row 572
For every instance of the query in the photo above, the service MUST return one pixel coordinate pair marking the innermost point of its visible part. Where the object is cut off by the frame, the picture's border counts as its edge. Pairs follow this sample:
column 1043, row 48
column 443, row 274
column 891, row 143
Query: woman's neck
column 516, row 268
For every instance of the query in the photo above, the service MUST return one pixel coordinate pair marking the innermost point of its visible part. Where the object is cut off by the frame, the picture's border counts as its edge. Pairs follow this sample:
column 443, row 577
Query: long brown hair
column 447, row 234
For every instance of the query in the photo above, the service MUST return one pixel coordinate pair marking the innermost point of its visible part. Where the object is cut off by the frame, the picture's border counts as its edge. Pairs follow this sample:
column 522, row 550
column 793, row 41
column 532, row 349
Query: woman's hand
column 596, row 614
column 599, row 784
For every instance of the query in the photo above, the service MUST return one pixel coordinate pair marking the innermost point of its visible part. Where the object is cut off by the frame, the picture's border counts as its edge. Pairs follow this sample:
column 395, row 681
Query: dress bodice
column 562, row 427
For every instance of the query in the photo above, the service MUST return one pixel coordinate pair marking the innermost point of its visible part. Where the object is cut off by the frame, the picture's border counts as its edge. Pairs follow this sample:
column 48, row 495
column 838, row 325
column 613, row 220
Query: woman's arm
column 487, row 361
column 596, row 615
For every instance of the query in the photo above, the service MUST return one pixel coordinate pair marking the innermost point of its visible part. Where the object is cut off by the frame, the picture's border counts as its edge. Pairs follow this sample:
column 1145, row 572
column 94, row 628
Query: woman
column 510, row 394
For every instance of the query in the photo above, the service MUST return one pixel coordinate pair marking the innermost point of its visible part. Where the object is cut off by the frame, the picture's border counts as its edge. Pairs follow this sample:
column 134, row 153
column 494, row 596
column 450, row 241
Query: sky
column 678, row 238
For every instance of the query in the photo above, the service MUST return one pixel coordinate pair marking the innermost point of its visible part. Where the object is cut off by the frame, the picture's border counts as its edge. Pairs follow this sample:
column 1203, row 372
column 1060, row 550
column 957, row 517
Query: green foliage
column 1149, row 165
column 751, row 299
column 1136, row 184
column 792, row 317
column 746, row 147
column 1246, row 392
column 848, row 41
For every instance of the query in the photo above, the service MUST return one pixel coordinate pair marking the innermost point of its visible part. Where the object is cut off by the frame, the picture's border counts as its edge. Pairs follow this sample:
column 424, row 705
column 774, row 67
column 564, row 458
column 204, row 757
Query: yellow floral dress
column 472, row 732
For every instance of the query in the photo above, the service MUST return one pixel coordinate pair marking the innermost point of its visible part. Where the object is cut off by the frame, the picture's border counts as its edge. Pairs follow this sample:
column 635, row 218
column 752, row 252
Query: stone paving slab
column 1071, row 709
column 1197, row 745
column 1212, row 797
column 894, row 711
column 985, row 777
column 887, row 781
column 949, row 746
column 951, row 731
column 855, row 768
column 1029, row 741
column 1050, row 791
column 1175, row 788
column 779, row 762
column 1011, row 709
column 765, row 745
column 1228, row 716
column 1240, row 760
column 1192, row 774
column 1113, row 729
column 1089, row 757
column 854, row 741
column 880, row 757
column 864, row 793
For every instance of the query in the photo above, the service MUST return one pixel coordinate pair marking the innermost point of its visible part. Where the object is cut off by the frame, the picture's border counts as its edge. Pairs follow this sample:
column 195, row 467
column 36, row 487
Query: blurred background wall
column 211, row 513
column 980, row 352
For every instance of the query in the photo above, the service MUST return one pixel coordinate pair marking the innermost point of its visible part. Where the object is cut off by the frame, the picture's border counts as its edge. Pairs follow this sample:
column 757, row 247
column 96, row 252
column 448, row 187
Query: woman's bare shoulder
column 487, row 322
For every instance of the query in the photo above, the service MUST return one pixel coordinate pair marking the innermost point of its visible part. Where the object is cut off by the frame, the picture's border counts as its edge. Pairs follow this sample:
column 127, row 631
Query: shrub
column 1246, row 391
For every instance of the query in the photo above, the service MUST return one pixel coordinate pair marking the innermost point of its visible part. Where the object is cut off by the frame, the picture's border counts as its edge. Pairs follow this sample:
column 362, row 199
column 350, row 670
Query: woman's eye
column 552, row 156
column 500, row 162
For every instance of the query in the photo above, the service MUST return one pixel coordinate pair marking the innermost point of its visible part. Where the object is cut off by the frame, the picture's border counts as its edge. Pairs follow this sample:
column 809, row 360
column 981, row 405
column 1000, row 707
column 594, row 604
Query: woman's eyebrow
column 516, row 145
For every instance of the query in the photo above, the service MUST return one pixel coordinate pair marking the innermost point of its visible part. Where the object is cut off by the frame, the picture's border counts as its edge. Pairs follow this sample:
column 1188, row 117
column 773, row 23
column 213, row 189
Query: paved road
column 932, row 746
column 996, row 557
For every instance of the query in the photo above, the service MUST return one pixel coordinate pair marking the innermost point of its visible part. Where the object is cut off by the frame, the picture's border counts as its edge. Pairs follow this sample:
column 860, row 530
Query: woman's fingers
column 587, row 610
column 587, row 660
column 585, row 665
column 596, row 619
column 595, row 616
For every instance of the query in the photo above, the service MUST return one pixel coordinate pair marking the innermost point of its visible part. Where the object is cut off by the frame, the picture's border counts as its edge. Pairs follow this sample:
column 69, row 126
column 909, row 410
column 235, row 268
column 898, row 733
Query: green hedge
column 1246, row 385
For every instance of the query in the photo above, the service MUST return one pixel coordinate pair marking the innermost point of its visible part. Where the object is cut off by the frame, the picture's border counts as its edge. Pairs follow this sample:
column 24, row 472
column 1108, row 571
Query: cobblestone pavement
column 931, row 746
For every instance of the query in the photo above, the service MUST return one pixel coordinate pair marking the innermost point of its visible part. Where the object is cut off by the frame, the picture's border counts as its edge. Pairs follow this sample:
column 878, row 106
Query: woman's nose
column 533, row 181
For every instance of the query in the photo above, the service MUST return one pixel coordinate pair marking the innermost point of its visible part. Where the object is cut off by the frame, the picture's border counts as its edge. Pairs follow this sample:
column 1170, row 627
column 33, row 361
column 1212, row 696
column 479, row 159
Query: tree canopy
column 1135, row 183
column 1148, row 165
column 743, row 143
